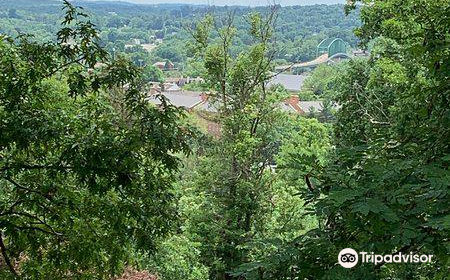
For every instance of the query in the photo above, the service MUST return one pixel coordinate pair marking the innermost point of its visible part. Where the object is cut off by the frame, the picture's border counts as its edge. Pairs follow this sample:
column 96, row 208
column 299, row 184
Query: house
column 290, row 105
column 294, row 105
column 159, row 64
column 194, row 102
column 164, row 65
column 200, row 104
column 191, row 100
column 308, row 106
column 292, row 83
column 186, row 99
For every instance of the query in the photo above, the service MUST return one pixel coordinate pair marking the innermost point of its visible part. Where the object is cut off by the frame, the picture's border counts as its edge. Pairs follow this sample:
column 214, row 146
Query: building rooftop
column 198, row 100
column 307, row 106
column 287, row 107
column 289, row 82
column 185, row 99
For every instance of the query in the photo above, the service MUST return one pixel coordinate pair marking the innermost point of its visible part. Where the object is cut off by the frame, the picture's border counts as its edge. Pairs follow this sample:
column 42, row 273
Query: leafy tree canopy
column 86, row 164
column 385, row 188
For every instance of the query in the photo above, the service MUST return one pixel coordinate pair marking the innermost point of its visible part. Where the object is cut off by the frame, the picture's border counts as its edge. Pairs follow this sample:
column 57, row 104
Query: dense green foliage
column 151, row 73
column 86, row 164
column 320, row 84
column 385, row 189
column 93, row 178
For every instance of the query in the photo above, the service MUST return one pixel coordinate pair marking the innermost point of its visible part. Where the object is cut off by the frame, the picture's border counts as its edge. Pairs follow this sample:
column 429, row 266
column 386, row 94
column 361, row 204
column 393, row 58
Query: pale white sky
column 241, row 2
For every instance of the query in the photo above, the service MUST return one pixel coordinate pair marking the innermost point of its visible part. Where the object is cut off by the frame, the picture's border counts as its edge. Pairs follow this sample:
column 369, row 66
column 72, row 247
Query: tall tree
column 86, row 163
column 233, row 177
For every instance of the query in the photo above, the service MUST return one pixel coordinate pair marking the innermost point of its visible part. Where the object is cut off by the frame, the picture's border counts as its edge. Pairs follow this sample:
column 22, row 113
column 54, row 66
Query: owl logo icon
column 348, row 258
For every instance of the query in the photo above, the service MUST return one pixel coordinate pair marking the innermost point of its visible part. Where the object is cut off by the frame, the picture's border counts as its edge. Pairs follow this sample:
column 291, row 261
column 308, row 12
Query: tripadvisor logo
column 348, row 258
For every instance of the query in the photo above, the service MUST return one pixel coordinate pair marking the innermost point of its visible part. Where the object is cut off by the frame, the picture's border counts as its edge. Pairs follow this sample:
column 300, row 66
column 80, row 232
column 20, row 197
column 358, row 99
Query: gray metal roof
column 307, row 105
column 287, row 108
column 289, row 82
column 179, row 99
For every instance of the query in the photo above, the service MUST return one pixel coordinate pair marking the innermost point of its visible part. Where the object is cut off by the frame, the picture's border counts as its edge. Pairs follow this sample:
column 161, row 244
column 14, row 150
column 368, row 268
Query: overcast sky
column 241, row 2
